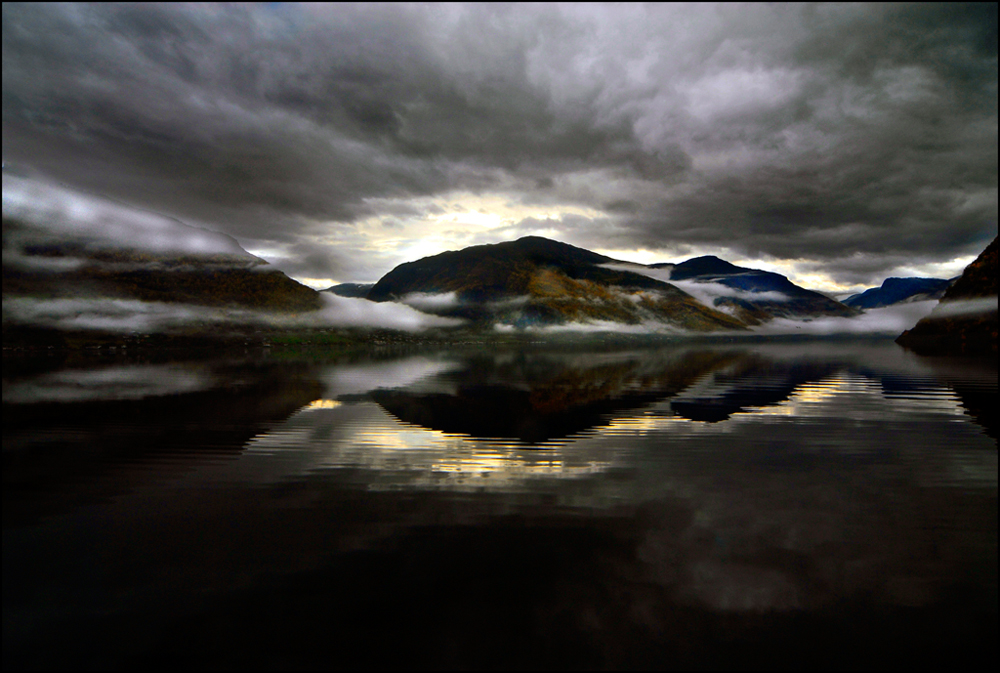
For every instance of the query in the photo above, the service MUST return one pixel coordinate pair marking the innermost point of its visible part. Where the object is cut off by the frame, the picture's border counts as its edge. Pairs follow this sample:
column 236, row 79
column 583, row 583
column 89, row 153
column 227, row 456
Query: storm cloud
column 858, row 139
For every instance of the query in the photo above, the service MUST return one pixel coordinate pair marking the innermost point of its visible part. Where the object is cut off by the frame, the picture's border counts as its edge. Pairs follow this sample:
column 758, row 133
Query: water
column 819, row 504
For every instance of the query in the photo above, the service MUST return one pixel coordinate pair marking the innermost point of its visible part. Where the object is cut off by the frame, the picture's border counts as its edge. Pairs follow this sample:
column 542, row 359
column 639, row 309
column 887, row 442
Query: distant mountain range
column 354, row 290
column 537, row 281
column 897, row 290
column 54, row 250
column 758, row 296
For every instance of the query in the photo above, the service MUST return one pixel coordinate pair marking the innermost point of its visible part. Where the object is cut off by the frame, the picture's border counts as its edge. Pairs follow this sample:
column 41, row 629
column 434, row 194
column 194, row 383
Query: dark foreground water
column 814, row 504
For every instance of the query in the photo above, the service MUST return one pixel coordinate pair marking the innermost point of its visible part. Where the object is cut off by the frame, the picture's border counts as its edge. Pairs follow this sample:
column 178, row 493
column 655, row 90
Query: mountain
column 709, row 265
column 896, row 290
column 490, row 272
column 537, row 281
column 60, row 244
column 353, row 290
column 753, row 296
column 965, row 320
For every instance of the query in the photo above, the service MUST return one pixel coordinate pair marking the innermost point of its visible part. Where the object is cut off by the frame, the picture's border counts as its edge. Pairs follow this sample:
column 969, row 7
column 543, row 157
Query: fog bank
column 131, row 315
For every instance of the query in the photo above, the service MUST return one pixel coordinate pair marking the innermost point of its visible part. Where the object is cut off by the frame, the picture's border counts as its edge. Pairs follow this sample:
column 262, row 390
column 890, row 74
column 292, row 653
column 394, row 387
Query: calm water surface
column 815, row 504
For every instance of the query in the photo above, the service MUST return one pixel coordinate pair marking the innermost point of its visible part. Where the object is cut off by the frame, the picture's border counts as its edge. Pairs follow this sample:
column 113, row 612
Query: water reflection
column 82, row 435
column 594, row 507
column 752, row 382
column 538, row 397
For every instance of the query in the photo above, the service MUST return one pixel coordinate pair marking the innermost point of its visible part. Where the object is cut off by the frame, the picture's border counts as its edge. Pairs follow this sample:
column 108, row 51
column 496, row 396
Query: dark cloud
column 788, row 131
column 304, row 259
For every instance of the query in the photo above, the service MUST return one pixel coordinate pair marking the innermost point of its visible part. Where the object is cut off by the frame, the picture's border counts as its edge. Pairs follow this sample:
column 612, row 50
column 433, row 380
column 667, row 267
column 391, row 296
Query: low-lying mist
column 891, row 320
column 131, row 315
column 53, row 232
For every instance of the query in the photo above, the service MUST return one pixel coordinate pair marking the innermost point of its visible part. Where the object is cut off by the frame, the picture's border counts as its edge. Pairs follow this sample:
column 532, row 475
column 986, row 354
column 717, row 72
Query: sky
column 837, row 144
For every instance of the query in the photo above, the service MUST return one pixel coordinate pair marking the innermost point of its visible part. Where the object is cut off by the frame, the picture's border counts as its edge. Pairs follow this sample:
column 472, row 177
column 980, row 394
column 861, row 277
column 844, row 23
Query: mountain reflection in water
column 816, row 504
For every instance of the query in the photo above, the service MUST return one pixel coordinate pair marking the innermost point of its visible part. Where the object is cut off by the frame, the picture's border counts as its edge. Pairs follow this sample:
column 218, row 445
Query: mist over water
column 814, row 504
